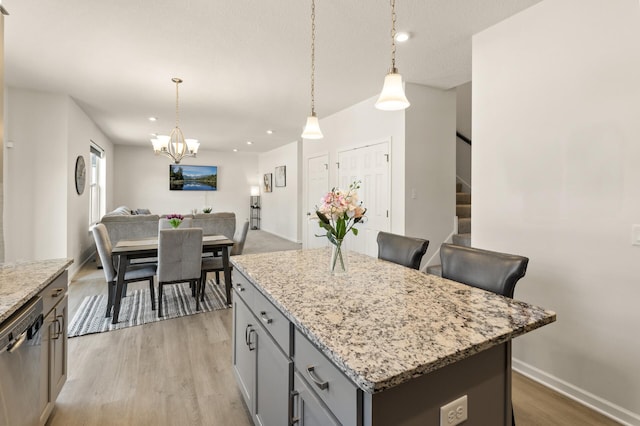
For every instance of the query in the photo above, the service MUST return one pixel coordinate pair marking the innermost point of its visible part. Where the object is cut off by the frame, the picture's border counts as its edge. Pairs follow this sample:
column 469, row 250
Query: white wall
column 430, row 158
column 141, row 180
column 422, row 157
column 280, row 211
column 44, row 216
column 36, row 168
column 81, row 131
column 555, row 172
column 463, row 125
column 362, row 124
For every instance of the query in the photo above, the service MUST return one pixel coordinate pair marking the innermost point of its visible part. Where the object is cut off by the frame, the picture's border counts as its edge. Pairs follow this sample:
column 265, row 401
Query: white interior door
column 370, row 165
column 317, row 186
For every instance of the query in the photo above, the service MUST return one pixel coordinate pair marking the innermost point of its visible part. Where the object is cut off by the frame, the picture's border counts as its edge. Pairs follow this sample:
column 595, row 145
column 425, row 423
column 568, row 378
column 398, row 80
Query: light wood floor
column 178, row 372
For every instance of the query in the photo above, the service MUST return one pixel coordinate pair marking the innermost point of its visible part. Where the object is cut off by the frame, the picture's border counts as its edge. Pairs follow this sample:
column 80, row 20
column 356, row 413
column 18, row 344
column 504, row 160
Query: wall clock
column 81, row 174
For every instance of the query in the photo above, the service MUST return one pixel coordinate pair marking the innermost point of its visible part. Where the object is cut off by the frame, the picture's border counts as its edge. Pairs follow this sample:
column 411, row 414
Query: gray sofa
column 125, row 223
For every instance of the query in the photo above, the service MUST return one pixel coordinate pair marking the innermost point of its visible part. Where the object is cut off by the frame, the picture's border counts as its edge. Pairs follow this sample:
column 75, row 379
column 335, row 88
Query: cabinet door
column 58, row 372
column 273, row 372
column 244, row 346
column 58, row 349
column 46, row 399
column 308, row 409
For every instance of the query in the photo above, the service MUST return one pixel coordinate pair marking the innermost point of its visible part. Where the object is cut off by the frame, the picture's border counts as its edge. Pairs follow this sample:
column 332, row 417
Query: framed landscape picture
column 193, row 178
column 281, row 176
column 267, row 182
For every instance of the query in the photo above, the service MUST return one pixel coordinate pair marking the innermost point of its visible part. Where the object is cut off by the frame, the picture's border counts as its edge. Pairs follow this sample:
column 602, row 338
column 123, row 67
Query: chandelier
column 392, row 97
column 312, row 128
column 175, row 146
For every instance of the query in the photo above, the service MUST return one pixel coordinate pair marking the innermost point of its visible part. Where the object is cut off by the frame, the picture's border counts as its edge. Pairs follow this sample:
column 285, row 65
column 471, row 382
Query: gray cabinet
column 273, row 370
column 58, row 348
column 53, row 363
column 308, row 408
column 244, row 341
column 261, row 366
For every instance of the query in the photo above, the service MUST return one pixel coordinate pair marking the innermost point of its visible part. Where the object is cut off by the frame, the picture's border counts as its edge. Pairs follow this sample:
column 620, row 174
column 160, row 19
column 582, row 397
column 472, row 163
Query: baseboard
column 602, row 406
column 74, row 271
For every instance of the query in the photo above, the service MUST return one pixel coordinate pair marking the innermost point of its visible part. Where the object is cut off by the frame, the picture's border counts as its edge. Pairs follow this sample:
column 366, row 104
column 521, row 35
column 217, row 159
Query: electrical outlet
column 454, row 413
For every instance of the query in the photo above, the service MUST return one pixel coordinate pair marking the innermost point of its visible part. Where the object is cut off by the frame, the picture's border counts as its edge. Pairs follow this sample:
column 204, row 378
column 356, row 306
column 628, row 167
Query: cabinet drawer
column 54, row 293
column 243, row 288
column 338, row 392
column 272, row 320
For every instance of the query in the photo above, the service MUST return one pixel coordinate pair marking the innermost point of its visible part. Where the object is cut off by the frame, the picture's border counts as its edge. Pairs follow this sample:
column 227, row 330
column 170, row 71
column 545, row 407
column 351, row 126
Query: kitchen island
column 20, row 281
column 383, row 345
column 33, row 339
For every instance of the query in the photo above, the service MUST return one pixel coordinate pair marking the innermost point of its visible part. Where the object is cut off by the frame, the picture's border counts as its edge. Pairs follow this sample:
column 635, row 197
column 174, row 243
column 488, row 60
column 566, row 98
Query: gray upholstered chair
column 134, row 273
column 179, row 260
column 163, row 223
column 406, row 251
column 214, row 264
column 489, row 270
column 221, row 223
column 239, row 238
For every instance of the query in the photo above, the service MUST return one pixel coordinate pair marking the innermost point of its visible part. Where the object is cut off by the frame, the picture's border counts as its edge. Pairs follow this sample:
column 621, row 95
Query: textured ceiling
column 245, row 63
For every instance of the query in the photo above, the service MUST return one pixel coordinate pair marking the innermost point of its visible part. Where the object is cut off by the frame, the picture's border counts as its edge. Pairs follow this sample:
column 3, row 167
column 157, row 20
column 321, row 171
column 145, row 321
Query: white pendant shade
column 312, row 128
column 392, row 97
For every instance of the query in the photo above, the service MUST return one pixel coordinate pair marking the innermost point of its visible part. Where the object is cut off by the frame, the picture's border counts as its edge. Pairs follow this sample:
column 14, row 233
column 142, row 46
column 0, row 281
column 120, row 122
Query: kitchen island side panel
column 485, row 378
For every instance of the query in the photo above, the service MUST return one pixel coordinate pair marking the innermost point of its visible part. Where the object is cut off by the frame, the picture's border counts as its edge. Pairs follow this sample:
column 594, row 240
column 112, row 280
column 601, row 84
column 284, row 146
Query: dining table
column 127, row 250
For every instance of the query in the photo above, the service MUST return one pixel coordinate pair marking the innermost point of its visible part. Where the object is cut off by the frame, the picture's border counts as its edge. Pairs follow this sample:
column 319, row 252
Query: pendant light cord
column 393, row 36
column 313, row 55
column 177, row 81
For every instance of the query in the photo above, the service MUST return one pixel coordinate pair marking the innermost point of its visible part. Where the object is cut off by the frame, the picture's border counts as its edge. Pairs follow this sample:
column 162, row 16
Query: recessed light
column 402, row 36
column 153, row 118
column 235, row 149
column 153, row 134
column 269, row 132
column 249, row 143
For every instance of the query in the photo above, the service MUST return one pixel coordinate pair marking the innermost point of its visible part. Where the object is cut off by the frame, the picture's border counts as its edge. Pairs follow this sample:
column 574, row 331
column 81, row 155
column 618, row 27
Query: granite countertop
column 384, row 324
column 20, row 281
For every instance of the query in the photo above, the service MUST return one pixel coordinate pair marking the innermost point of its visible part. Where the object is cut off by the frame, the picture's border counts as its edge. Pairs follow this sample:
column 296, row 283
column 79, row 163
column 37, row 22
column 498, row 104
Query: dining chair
column 163, row 223
column 489, row 270
column 134, row 273
column 214, row 264
column 179, row 260
column 406, row 251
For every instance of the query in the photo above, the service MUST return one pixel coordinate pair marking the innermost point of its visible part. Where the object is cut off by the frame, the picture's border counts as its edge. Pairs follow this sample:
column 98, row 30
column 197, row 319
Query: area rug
column 135, row 309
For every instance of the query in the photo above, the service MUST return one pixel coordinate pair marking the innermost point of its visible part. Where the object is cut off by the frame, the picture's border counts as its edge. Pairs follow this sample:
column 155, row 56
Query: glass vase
column 338, row 264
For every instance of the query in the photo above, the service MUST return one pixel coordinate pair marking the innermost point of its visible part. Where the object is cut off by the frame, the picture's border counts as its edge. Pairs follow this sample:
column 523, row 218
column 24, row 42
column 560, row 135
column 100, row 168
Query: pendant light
column 392, row 97
column 312, row 128
column 175, row 146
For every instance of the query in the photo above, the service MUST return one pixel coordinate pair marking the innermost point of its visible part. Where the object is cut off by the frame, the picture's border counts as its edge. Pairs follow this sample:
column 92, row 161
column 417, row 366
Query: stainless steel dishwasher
column 20, row 355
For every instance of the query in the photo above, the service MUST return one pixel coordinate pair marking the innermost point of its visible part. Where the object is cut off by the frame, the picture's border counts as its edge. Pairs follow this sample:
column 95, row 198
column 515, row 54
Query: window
column 96, row 184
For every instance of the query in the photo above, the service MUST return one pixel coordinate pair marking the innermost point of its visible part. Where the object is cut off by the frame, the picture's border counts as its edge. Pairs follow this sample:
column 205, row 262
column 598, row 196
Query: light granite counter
column 20, row 281
column 384, row 324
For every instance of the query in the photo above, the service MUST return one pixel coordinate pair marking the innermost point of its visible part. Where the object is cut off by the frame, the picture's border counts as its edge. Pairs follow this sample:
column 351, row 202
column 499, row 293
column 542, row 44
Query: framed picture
column 281, row 176
column 267, row 182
